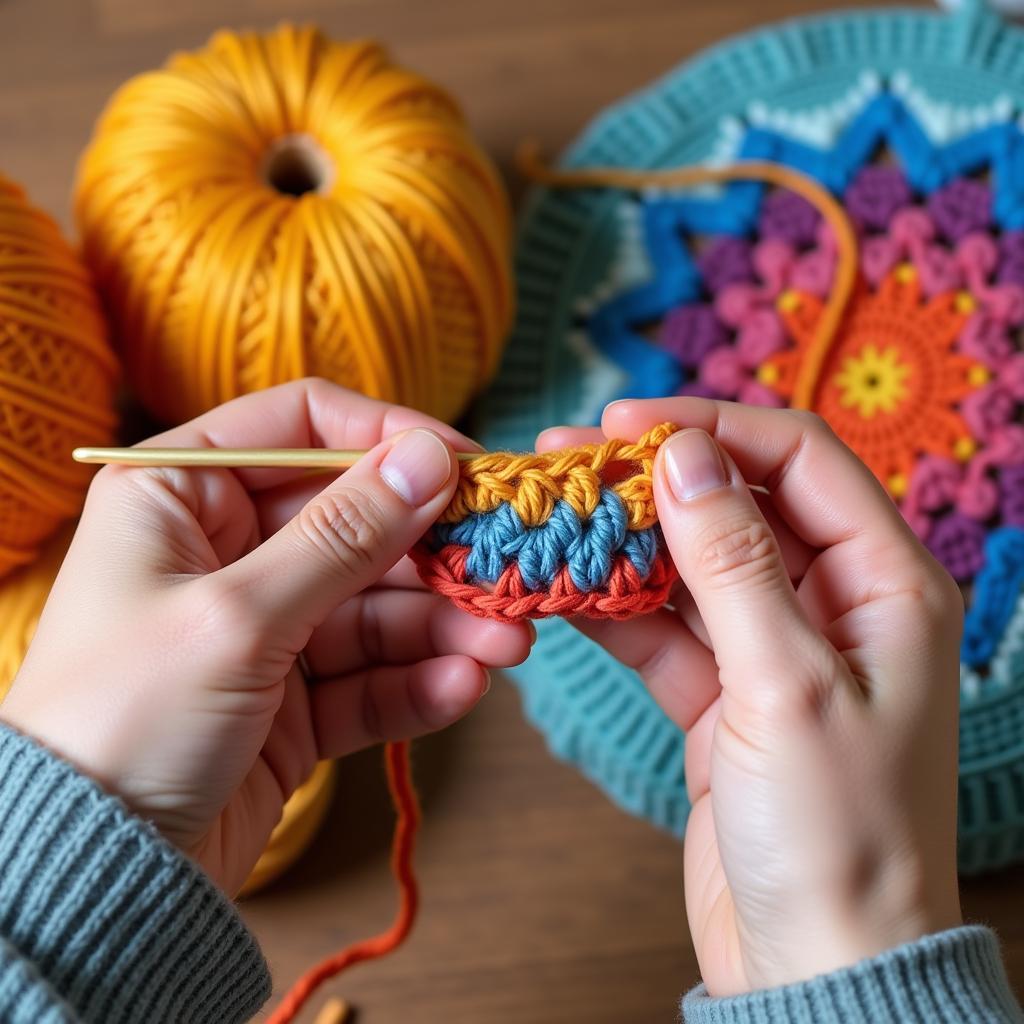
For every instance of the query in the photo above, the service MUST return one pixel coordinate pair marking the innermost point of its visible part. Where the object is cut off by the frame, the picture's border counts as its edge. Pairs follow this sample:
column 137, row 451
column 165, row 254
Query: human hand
column 165, row 662
column 811, row 656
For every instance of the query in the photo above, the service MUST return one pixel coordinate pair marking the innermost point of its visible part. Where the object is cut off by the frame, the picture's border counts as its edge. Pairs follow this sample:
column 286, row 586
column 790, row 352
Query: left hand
column 165, row 662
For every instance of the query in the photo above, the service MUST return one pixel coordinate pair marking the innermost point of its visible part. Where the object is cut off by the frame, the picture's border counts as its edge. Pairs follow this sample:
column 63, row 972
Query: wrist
column 831, row 933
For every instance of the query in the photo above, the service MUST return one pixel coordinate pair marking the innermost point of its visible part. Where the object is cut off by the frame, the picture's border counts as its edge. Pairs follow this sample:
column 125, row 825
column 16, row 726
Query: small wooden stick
column 336, row 1011
column 232, row 458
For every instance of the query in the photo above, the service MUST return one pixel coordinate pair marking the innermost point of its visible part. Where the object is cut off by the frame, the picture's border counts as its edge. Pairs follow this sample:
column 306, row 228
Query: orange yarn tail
column 403, row 796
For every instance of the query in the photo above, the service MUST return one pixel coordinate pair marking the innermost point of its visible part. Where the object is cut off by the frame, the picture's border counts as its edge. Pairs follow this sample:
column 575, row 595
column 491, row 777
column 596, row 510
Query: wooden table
column 543, row 904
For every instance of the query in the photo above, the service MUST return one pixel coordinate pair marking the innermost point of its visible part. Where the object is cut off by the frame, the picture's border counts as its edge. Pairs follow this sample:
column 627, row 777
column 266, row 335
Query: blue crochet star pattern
column 911, row 119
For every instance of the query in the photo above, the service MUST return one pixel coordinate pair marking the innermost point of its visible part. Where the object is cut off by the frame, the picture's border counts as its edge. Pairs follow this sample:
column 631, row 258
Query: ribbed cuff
column 952, row 977
column 119, row 924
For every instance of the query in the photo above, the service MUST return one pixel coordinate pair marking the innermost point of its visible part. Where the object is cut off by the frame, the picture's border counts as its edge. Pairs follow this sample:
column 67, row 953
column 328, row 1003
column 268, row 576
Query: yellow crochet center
column 533, row 483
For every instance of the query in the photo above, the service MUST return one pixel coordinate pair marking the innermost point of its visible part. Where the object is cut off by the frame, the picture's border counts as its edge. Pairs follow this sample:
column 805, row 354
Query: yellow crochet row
column 533, row 483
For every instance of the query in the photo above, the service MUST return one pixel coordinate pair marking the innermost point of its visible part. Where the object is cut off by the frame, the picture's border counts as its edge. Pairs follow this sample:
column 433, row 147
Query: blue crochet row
column 997, row 588
column 588, row 546
column 668, row 222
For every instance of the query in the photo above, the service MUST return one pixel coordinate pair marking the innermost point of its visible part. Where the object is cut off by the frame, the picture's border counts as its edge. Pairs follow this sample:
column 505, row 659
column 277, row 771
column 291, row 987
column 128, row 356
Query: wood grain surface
column 542, row 903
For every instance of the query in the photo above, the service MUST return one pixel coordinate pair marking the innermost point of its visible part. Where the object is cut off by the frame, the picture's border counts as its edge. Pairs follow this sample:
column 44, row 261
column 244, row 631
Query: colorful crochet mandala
column 912, row 120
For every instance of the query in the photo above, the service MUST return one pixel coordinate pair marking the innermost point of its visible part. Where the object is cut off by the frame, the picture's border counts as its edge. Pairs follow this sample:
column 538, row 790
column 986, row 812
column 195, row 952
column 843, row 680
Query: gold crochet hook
column 232, row 458
column 245, row 458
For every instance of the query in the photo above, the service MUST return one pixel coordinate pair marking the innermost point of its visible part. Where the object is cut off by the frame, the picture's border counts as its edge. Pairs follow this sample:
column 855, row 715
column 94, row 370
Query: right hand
column 812, row 658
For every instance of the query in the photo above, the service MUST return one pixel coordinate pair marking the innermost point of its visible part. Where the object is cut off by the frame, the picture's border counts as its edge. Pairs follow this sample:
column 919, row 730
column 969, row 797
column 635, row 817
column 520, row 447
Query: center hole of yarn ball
column 296, row 164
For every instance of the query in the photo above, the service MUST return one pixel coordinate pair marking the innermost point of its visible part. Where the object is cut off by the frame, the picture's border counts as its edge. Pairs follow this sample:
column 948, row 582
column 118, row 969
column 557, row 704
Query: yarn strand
column 403, row 844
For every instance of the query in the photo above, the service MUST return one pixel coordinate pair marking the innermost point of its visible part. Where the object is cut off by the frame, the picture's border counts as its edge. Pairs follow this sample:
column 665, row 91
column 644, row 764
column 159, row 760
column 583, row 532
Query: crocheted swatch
column 570, row 532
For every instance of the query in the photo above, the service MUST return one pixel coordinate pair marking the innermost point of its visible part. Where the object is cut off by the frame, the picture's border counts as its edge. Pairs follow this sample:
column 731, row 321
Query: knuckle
column 788, row 699
column 108, row 476
column 112, row 484
column 345, row 526
column 812, row 422
column 228, row 615
column 739, row 552
column 318, row 387
column 940, row 599
column 370, row 631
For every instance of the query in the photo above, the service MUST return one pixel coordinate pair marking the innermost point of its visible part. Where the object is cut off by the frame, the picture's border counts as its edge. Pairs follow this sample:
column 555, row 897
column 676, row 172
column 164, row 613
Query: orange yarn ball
column 57, row 376
column 278, row 205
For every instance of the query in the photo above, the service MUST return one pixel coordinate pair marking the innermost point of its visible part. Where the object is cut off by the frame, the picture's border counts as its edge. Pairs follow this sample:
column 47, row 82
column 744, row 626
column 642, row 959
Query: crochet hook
column 232, row 458
column 239, row 458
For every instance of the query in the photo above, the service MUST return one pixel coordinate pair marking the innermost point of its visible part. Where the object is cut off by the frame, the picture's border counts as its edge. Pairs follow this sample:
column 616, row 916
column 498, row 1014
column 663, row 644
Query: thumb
column 347, row 537
column 731, row 563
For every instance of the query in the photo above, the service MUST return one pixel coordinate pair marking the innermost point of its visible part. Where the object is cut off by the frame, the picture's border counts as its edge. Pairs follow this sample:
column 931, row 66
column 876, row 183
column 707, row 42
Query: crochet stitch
column 910, row 120
column 571, row 532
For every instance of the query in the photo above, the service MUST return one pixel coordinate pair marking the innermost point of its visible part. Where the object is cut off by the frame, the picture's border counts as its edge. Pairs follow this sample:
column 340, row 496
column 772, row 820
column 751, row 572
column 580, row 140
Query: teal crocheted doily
column 914, row 119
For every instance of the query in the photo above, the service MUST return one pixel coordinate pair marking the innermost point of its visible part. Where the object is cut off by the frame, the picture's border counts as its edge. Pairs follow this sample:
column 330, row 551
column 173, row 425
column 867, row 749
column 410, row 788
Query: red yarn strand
column 403, row 844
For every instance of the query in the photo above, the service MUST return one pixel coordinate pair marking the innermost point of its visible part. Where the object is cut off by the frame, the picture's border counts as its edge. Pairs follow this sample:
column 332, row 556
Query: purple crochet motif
column 1011, row 258
column 691, row 332
column 722, row 337
column 958, row 542
column 875, row 195
column 790, row 218
column 1011, row 495
column 726, row 261
column 961, row 207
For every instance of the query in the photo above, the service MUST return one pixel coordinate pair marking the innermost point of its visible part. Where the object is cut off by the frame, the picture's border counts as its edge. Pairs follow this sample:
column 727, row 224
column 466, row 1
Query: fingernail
column 417, row 467
column 693, row 464
column 487, row 683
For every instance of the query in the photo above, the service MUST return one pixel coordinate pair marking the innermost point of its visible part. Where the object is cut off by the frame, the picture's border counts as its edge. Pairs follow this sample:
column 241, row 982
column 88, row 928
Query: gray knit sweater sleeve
column 953, row 977
column 101, row 920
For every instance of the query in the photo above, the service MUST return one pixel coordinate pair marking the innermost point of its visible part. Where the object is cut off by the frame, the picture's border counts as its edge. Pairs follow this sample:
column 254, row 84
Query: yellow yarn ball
column 301, row 819
column 22, row 596
column 279, row 205
column 57, row 375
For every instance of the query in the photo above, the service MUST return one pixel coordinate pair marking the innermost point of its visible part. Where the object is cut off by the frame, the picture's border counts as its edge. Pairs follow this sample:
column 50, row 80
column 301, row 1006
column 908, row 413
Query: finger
column 290, row 747
column 732, row 565
column 151, row 522
column 568, row 437
column 699, row 741
column 678, row 670
column 310, row 413
column 277, row 505
column 394, row 702
column 395, row 627
column 344, row 540
column 821, row 489
column 797, row 554
column 682, row 603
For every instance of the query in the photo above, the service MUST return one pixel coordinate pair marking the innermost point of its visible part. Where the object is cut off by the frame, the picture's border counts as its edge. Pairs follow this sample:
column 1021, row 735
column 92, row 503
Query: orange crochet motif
column 891, row 383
